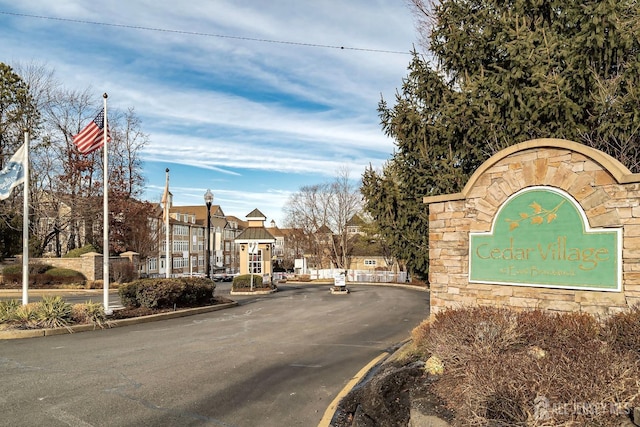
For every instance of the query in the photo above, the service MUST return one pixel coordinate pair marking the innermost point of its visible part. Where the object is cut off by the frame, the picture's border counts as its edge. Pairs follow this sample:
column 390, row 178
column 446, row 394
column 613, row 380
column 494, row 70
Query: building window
column 370, row 262
column 180, row 245
column 180, row 230
column 152, row 264
column 255, row 263
column 179, row 262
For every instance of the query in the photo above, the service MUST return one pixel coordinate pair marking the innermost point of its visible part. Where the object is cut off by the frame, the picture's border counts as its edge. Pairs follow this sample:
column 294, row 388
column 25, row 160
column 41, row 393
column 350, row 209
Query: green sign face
column 541, row 237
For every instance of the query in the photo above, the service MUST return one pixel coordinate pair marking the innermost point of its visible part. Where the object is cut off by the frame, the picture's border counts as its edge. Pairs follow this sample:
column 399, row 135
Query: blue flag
column 13, row 172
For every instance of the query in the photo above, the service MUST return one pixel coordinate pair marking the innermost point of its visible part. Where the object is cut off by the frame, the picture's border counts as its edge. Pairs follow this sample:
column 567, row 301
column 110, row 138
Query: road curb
column 373, row 284
column 11, row 334
column 383, row 358
column 354, row 381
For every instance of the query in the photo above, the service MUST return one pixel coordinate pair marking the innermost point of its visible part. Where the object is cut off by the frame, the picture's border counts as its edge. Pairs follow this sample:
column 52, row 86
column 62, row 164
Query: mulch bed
column 386, row 398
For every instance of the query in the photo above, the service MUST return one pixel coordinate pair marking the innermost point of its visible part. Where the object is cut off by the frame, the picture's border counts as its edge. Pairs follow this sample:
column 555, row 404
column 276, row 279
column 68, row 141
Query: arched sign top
column 540, row 209
column 620, row 172
column 541, row 237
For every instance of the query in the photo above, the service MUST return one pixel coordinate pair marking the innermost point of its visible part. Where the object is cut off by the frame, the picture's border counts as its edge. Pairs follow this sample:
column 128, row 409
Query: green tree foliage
column 17, row 112
column 506, row 72
column 66, row 186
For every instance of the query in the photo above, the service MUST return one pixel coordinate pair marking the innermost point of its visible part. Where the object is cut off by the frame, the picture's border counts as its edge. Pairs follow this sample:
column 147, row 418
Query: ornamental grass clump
column 53, row 312
column 26, row 315
column 533, row 368
column 89, row 313
column 8, row 310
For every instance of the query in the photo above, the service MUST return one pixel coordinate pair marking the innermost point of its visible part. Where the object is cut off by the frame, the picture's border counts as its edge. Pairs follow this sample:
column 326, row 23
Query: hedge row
column 41, row 274
column 243, row 283
column 167, row 293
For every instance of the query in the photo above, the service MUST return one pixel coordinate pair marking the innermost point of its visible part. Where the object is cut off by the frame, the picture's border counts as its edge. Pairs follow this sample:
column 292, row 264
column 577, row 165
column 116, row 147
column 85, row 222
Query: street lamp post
column 208, row 199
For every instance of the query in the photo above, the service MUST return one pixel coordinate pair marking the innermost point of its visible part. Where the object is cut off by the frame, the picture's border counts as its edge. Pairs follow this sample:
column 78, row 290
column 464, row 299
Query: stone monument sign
column 548, row 224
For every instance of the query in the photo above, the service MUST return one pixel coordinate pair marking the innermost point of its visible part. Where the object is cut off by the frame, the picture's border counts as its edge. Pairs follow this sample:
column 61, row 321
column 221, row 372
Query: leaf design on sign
column 536, row 207
column 537, row 217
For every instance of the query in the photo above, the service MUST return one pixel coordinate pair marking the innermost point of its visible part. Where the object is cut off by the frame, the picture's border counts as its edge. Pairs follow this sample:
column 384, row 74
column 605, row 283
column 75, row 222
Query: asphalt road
column 75, row 296
column 276, row 360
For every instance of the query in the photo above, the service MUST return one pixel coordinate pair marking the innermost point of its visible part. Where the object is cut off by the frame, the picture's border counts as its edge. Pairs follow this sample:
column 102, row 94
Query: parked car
column 192, row 275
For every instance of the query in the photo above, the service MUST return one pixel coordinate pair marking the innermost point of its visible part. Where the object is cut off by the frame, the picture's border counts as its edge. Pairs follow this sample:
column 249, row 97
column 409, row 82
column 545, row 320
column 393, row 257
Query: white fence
column 361, row 275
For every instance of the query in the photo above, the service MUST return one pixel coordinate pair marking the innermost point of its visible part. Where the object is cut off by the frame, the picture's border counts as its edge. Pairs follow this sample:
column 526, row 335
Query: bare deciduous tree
column 322, row 212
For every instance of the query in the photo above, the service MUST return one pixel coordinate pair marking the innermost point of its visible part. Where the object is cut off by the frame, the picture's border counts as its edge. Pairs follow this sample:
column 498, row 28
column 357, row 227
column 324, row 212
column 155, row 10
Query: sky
column 252, row 99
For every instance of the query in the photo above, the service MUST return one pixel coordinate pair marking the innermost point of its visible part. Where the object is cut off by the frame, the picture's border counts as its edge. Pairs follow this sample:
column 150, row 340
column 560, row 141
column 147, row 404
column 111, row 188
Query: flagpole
column 167, row 204
column 25, row 224
column 105, row 213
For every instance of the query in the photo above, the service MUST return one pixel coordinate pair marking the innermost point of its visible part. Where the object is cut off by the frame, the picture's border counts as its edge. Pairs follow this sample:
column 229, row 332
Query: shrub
column 123, row 272
column 94, row 284
column 128, row 294
column 197, row 291
column 89, row 313
column 159, row 293
column 42, row 274
column 243, row 282
column 13, row 273
column 622, row 330
column 535, row 368
column 59, row 276
column 165, row 293
column 75, row 253
column 53, row 312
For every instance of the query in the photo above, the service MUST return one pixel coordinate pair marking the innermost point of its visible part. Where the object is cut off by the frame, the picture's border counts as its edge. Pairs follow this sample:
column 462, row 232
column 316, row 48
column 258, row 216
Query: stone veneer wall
column 91, row 264
column 606, row 190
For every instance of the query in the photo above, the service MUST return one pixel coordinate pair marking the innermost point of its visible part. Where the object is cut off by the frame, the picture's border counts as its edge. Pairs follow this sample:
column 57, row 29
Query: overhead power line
column 197, row 33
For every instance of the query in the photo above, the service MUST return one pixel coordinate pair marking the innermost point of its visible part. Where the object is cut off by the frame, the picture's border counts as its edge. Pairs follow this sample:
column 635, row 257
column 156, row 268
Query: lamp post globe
column 208, row 200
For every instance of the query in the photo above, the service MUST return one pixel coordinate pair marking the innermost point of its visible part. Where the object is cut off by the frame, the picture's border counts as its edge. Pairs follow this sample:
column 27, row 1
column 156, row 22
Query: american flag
column 92, row 136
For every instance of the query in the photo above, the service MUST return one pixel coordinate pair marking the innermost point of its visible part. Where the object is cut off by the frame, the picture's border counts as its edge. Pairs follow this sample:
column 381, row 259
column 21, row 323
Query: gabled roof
column 241, row 223
column 324, row 229
column 277, row 232
column 255, row 214
column 218, row 219
column 200, row 211
column 255, row 233
column 356, row 221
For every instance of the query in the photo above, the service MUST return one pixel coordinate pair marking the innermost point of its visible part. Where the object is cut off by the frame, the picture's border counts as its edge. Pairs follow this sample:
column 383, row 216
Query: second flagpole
column 105, row 215
column 25, row 223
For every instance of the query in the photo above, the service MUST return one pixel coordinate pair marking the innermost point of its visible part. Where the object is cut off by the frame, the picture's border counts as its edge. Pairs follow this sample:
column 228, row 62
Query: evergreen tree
column 17, row 112
column 506, row 72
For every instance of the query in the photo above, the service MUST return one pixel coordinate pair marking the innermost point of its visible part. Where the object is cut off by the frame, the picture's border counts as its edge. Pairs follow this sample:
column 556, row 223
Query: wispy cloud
column 255, row 98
